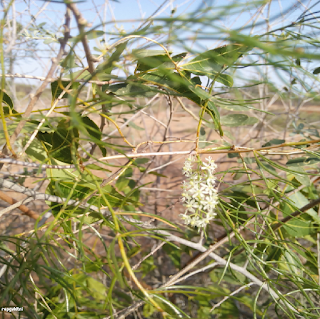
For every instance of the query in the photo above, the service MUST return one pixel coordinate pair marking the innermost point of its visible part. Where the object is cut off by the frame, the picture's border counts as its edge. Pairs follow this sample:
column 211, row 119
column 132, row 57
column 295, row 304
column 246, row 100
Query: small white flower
column 194, row 221
column 193, row 183
column 182, row 199
column 202, row 223
column 191, row 205
column 208, row 188
column 210, row 166
column 210, row 203
column 211, row 180
column 199, row 195
column 186, row 218
column 186, row 171
column 211, row 215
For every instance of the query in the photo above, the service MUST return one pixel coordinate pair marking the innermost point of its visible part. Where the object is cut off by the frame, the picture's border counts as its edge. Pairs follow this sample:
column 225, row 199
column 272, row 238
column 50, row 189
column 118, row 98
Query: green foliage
column 57, row 87
column 115, row 243
column 235, row 120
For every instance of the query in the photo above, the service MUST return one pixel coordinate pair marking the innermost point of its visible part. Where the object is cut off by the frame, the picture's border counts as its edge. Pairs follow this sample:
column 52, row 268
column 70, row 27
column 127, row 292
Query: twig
column 15, row 205
column 118, row 128
column 147, row 256
column 203, row 269
column 188, row 111
column 81, row 22
column 23, row 208
column 232, row 294
column 218, row 150
column 296, row 213
column 51, row 198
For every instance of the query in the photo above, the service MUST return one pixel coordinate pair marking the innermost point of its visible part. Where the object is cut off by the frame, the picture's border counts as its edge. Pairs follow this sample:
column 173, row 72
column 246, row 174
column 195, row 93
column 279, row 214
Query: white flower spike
column 199, row 194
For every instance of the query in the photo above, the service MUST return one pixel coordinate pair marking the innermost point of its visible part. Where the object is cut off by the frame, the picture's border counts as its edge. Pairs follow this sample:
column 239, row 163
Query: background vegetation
column 93, row 145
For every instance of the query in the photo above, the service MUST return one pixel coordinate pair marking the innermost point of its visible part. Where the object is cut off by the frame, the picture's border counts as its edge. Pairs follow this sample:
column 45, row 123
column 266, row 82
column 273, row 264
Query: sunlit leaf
column 234, row 120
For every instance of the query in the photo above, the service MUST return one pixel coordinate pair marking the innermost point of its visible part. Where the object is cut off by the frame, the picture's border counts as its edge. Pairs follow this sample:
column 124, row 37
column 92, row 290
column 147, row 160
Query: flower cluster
column 199, row 195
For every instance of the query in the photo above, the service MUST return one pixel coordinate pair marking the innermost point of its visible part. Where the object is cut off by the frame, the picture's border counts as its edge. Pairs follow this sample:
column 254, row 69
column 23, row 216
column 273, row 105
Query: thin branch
column 232, row 294
column 296, row 213
column 218, row 150
column 40, row 196
column 148, row 255
column 187, row 110
column 81, row 22
column 23, row 208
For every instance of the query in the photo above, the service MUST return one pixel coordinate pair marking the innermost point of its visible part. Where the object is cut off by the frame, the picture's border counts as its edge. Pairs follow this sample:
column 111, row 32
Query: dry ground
column 160, row 195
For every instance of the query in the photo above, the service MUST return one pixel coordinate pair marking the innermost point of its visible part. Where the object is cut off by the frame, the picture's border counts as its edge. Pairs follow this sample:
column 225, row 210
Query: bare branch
column 81, row 22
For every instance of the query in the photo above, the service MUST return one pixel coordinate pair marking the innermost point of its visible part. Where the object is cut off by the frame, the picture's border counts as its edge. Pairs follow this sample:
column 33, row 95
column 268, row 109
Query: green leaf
column 108, row 65
column 225, row 79
column 179, row 85
column 97, row 289
column 249, row 301
column 226, row 310
column 8, row 107
column 151, row 62
column 64, row 142
column 128, row 172
column 303, row 161
column 274, row 254
column 174, row 254
column 46, row 140
column 274, row 141
column 116, row 199
column 148, row 310
column 94, row 34
column 179, row 57
column 58, row 86
column 36, row 151
column 202, row 136
column 303, row 224
column 299, row 201
column 212, row 62
column 234, row 120
column 304, row 179
column 142, row 53
column 204, row 313
column 316, row 71
column 293, row 264
column 7, row 99
column 147, row 266
column 136, row 90
column 136, row 127
column 141, row 161
column 122, row 183
column 233, row 107
column 251, row 121
column 85, row 75
column 95, row 133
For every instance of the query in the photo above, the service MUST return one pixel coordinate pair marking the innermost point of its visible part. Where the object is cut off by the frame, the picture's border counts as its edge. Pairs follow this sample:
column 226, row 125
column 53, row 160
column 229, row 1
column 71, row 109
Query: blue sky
column 240, row 14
